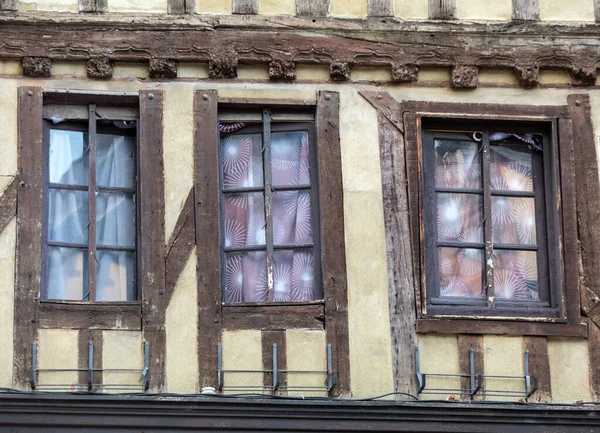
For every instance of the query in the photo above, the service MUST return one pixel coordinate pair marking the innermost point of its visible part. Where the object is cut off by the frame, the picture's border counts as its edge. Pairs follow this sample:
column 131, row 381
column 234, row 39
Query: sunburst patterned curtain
column 244, row 218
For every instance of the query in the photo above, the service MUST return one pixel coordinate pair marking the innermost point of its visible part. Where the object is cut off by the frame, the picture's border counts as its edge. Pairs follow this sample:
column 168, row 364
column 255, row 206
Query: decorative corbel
column 282, row 70
column 405, row 73
column 529, row 76
column 100, row 68
column 37, row 67
column 339, row 71
column 465, row 77
column 163, row 68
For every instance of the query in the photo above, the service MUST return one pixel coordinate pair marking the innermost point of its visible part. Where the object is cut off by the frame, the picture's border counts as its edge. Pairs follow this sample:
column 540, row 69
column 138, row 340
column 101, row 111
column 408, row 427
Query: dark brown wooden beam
column 180, row 245
column 380, row 8
column 81, row 315
column 398, row 240
column 245, row 7
column 594, row 348
column 84, row 337
column 152, row 228
column 8, row 204
column 465, row 344
column 526, row 10
column 313, row 8
column 333, row 251
column 442, row 9
column 268, row 339
column 539, row 367
column 597, row 9
column 29, row 231
column 273, row 317
column 501, row 327
column 206, row 192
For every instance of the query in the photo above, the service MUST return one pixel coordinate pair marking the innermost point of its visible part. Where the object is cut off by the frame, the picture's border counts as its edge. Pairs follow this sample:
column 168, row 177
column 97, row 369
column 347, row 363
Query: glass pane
column 68, row 216
column 68, row 157
column 511, row 167
column 459, row 217
column 246, row 277
column 115, row 160
column 244, row 219
column 457, row 164
column 514, row 220
column 116, row 219
column 292, row 218
column 67, row 274
column 289, row 158
column 516, row 275
column 461, row 272
column 242, row 161
column 115, row 275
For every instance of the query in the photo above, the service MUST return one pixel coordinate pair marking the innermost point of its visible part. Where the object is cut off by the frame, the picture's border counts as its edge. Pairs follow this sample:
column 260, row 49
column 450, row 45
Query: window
column 269, row 207
column 90, row 190
column 488, row 222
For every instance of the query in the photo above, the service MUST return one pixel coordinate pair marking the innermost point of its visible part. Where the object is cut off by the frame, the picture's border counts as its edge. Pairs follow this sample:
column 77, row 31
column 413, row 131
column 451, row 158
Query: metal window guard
column 330, row 381
column 476, row 381
column 90, row 386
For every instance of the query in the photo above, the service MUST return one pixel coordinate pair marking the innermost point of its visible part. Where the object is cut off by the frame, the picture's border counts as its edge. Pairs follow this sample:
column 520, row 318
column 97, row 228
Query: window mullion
column 268, row 201
column 487, row 210
column 92, row 203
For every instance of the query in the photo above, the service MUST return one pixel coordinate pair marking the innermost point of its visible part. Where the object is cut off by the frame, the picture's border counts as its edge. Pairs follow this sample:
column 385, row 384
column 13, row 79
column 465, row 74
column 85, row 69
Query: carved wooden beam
column 163, row 68
column 37, row 67
column 282, row 70
column 339, row 71
column 465, row 77
column 405, row 73
column 100, row 68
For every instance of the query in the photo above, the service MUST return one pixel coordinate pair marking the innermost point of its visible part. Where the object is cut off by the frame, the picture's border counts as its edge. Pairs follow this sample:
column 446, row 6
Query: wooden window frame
column 146, row 314
column 329, row 314
column 266, row 127
column 70, row 114
column 565, row 318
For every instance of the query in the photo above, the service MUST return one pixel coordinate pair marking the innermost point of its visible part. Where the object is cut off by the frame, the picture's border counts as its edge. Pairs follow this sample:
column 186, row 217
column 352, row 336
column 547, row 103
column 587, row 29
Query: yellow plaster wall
column 182, row 333
column 497, row 76
column 242, row 350
column 554, row 77
column 561, row 10
column 306, row 350
column 312, row 72
column 569, row 369
column 178, row 149
column 10, row 67
column 122, row 349
column 277, row 7
column 348, row 8
column 49, row 5
column 8, row 126
column 253, row 72
column 159, row 6
column 131, row 70
column 71, row 69
column 438, row 354
column 192, row 70
column 371, row 74
column 434, row 75
column 213, row 6
column 368, row 315
column 7, row 290
column 484, row 10
column 417, row 9
column 58, row 348
column 503, row 356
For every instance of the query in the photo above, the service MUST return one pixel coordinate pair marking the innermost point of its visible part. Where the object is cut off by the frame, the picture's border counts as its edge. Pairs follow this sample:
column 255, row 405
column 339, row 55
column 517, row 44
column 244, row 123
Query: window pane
column 115, row 219
column 246, row 277
column 242, row 161
column 68, row 157
column 289, row 158
column 67, row 274
column 68, row 216
column 457, row 164
column 244, row 220
column 115, row 275
column 510, row 167
column 459, row 217
column 115, row 161
column 292, row 218
column 516, row 275
column 514, row 220
column 461, row 272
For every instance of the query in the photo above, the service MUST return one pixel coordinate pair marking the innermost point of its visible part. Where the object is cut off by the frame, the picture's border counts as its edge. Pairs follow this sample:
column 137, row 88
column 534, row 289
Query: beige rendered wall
column 58, row 349
column 242, row 350
column 306, row 350
column 122, row 350
column 7, row 290
column 438, row 354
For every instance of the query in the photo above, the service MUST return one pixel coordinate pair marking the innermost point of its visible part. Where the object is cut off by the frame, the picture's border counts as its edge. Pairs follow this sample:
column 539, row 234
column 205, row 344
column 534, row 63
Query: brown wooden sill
column 467, row 326
column 90, row 315
column 274, row 316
